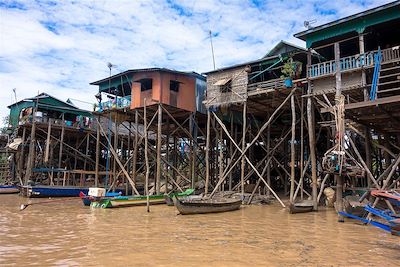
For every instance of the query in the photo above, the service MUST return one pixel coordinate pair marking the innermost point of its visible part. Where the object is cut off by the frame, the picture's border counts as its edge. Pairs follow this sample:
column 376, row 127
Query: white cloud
column 60, row 47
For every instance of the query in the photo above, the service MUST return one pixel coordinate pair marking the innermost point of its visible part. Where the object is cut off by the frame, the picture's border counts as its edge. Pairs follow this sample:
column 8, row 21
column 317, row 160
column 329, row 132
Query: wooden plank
column 364, row 104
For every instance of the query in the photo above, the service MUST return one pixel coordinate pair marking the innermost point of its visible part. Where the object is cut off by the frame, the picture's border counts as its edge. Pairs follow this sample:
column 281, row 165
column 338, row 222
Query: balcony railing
column 353, row 62
column 118, row 103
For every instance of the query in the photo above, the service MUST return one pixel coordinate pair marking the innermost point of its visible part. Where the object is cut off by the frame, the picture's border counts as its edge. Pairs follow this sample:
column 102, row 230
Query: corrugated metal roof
column 192, row 73
column 302, row 35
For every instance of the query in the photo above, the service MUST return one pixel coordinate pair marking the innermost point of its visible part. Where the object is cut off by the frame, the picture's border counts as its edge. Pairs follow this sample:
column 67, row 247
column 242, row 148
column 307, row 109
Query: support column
column 135, row 148
column 96, row 181
column 292, row 150
column 159, row 143
column 243, row 148
column 208, row 151
column 61, row 142
column 339, row 178
column 311, row 137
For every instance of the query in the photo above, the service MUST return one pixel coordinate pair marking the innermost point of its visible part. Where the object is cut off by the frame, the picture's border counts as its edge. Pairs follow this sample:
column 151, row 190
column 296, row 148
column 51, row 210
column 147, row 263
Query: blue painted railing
column 375, row 78
column 346, row 63
column 119, row 102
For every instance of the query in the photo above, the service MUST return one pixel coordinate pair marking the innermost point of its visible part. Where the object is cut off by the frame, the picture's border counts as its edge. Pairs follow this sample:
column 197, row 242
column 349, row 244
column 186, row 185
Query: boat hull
column 301, row 207
column 206, row 206
column 8, row 189
column 117, row 202
column 52, row 191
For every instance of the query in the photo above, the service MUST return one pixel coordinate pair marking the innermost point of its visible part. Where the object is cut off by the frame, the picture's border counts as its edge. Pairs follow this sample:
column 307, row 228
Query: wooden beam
column 364, row 104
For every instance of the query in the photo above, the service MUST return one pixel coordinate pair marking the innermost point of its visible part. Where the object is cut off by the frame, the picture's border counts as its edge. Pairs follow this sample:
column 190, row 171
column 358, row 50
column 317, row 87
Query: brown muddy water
column 69, row 234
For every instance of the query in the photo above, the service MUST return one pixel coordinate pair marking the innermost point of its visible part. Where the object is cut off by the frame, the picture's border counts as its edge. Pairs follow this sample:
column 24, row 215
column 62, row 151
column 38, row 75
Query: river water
column 69, row 234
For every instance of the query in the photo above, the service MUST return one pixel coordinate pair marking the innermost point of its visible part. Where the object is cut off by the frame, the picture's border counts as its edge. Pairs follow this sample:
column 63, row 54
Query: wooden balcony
column 353, row 62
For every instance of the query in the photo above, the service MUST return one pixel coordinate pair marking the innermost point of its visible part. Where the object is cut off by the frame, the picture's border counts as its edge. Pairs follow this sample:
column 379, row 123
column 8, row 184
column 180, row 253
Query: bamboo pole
column 146, row 157
column 292, row 150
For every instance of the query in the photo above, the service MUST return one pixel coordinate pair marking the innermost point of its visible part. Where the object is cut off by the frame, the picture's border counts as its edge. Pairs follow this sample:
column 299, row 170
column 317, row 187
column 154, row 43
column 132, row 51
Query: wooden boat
column 392, row 196
column 168, row 197
column 301, row 207
column 8, row 189
column 128, row 201
column 52, row 191
column 87, row 200
column 199, row 206
column 352, row 205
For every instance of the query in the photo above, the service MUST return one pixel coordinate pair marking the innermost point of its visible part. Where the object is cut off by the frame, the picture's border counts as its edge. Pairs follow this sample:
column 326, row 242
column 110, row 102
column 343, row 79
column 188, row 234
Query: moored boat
column 87, row 200
column 392, row 196
column 168, row 197
column 52, row 191
column 200, row 206
column 127, row 201
column 8, row 189
column 301, row 207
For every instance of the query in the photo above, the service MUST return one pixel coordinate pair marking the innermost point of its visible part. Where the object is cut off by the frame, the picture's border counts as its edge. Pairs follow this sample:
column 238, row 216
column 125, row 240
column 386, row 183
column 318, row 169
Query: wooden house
column 182, row 90
column 47, row 108
column 365, row 48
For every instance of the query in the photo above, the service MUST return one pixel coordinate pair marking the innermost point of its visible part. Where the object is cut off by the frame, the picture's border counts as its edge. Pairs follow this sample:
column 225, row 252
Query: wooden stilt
column 60, row 152
column 268, row 162
column 146, row 156
column 46, row 154
column 302, row 148
column 21, row 160
column 158, row 164
column 208, row 151
column 311, row 137
column 135, row 148
column 221, row 156
column 231, row 153
column 339, row 179
column 32, row 147
column 96, row 181
column 292, row 150
column 243, row 148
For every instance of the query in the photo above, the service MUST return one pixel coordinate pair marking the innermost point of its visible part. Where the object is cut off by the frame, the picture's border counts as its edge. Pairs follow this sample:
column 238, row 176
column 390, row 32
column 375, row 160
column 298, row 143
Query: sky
column 59, row 47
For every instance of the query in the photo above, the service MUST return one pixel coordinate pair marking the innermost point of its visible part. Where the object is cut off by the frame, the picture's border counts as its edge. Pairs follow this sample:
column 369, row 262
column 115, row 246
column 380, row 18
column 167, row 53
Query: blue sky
column 59, row 47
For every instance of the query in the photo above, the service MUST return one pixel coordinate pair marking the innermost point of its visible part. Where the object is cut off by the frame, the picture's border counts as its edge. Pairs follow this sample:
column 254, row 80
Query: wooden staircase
column 389, row 80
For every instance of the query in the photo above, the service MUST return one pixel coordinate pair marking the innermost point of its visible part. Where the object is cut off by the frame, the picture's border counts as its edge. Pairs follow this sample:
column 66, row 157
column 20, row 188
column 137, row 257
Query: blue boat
column 52, row 191
column 8, row 189
column 87, row 200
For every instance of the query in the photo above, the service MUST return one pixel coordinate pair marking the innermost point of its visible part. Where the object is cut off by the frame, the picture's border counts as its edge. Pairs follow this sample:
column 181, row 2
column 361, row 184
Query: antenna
column 212, row 48
column 308, row 23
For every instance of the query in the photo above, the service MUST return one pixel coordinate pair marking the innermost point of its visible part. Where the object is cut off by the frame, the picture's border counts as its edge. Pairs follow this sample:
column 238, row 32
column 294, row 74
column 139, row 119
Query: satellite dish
column 308, row 23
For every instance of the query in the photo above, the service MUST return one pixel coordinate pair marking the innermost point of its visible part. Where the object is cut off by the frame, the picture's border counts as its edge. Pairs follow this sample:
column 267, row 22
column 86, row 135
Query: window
column 226, row 88
column 146, row 84
column 225, row 85
column 174, row 86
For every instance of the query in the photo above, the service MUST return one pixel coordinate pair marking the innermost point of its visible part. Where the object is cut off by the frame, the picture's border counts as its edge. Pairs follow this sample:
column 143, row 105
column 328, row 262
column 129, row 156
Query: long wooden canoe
column 128, row 201
column 196, row 206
